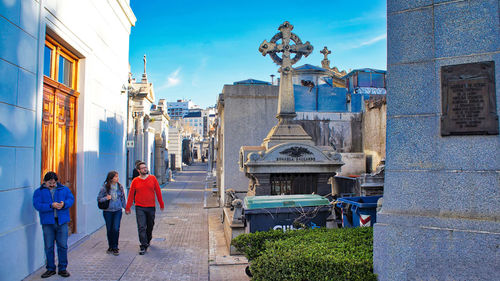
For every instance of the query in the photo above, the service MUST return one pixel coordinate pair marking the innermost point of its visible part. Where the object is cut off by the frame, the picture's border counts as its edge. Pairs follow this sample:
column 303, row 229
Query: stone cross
column 325, row 52
column 325, row 63
column 286, row 103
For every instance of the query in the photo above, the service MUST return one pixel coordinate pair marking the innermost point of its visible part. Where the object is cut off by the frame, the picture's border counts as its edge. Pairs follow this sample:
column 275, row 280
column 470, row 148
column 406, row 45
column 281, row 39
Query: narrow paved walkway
column 179, row 249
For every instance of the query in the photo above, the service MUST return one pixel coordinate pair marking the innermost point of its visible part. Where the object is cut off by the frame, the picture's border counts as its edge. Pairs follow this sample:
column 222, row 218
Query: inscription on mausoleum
column 469, row 99
column 295, row 159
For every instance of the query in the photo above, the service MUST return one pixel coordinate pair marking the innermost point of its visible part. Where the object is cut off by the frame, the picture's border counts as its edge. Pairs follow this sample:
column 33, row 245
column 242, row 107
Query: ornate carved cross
column 286, row 48
column 325, row 63
column 286, row 103
column 325, row 52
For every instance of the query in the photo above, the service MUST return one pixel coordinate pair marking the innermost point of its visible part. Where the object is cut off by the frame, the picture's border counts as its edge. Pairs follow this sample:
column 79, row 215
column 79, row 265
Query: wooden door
column 59, row 137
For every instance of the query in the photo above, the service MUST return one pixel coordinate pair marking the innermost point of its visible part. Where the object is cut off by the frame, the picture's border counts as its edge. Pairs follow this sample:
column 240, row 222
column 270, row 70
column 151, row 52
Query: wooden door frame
column 59, row 88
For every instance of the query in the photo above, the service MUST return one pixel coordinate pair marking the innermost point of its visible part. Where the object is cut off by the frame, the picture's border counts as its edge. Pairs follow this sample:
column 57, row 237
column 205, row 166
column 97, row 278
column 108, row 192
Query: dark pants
column 113, row 220
column 145, row 221
column 59, row 234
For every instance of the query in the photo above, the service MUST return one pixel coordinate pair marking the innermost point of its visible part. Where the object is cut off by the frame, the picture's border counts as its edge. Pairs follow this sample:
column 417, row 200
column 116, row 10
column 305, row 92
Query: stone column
column 440, row 218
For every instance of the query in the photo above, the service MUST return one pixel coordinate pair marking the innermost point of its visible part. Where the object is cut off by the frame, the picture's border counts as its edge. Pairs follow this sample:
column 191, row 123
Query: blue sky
column 195, row 47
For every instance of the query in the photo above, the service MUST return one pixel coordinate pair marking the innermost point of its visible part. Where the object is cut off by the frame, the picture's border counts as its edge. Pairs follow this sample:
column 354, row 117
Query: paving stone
column 179, row 249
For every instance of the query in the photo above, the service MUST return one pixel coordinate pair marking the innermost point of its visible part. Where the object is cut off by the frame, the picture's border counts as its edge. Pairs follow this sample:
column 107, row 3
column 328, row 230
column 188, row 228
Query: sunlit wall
column 98, row 33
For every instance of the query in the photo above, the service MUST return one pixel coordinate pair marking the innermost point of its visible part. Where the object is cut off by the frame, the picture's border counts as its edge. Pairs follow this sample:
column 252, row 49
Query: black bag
column 103, row 205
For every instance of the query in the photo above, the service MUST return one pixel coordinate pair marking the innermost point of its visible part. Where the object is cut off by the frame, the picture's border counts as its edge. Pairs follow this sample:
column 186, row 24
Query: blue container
column 358, row 211
column 282, row 212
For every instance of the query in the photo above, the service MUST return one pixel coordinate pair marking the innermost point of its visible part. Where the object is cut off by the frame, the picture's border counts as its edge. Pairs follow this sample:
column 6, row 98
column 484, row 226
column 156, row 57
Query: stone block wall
column 440, row 219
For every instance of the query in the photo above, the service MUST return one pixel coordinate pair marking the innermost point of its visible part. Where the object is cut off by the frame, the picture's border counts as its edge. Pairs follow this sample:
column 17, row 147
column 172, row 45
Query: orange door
column 59, row 136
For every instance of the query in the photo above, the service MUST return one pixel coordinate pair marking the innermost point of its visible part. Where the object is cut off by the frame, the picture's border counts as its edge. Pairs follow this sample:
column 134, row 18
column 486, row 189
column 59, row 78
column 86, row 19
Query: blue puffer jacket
column 42, row 201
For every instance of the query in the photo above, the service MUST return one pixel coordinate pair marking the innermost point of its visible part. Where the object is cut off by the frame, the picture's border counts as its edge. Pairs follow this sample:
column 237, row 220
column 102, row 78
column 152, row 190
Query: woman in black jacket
column 113, row 191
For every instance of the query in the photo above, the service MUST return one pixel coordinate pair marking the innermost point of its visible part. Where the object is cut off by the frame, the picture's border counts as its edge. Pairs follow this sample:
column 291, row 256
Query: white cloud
column 371, row 41
column 172, row 79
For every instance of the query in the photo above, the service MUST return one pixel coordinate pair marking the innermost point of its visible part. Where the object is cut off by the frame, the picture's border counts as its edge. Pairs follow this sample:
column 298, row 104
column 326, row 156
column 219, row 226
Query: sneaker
column 64, row 273
column 142, row 251
column 48, row 273
column 116, row 252
column 109, row 251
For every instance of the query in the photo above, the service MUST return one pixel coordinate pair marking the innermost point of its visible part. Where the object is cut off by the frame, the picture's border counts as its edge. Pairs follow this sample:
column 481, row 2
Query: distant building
column 176, row 110
column 147, row 129
column 194, row 121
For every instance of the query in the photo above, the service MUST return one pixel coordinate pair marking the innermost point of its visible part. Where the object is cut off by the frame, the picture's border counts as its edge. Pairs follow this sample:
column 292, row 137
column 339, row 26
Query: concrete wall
column 373, row 131
column 340, row 130
column 355, row 164
column 98, row 32
column 247, row 120
column 441, row 213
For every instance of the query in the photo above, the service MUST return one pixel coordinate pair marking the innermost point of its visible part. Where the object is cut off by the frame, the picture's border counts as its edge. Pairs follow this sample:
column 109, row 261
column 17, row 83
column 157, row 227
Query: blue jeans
column 59, row 234
column 113, row 220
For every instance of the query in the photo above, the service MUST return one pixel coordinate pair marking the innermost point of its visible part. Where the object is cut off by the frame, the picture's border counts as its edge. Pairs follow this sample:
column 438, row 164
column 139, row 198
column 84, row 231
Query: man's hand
column 108, row 197
column 58, row 206
column 127, row 212
column 161, row 209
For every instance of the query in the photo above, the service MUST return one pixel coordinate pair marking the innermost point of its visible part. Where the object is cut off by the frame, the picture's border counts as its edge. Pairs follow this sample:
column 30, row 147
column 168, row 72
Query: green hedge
column 311, row 254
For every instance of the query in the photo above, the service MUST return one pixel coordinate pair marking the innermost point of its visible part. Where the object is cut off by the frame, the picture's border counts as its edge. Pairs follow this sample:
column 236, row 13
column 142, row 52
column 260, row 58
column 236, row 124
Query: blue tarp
column 322, row 98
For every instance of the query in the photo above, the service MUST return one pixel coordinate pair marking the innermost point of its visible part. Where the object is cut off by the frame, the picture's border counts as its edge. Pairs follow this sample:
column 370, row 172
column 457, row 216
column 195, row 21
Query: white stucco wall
column 98, row 33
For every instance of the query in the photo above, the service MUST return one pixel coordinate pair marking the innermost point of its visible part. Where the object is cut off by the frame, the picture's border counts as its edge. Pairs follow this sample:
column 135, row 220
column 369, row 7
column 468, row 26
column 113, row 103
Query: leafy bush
column 253, row 244
column 319, row 254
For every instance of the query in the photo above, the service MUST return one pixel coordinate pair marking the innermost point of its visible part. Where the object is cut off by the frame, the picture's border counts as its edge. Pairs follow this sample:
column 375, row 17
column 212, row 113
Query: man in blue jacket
column 52, row 200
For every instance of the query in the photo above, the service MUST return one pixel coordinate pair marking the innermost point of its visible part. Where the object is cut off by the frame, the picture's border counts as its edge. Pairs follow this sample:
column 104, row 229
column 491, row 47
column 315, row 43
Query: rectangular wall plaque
column 468, row 99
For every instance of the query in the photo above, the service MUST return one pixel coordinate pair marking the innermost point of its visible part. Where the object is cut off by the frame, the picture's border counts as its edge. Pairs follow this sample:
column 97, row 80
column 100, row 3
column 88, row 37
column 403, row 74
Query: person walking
column 113, row 191
column 142, row 191
column 135, row 172
column 52, row 200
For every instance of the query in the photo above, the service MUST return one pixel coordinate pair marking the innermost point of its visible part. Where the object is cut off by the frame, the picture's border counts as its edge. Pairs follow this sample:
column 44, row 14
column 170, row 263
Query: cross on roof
column 325, row 52
column 285, row 34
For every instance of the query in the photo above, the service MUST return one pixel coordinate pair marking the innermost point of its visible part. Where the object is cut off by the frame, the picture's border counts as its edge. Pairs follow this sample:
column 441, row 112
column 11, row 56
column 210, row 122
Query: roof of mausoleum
column 251, row 81
column 310, row 67
column 364, row 70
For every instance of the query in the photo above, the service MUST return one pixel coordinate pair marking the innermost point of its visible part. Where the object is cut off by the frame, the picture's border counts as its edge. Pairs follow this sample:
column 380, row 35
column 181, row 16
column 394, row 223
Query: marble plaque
column 468, row 99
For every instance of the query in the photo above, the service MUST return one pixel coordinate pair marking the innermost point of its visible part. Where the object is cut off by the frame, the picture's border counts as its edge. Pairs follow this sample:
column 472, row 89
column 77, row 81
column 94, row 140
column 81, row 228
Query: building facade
column 147, row 129
column 63, row 108
column 177, row 109
column 193, row 122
